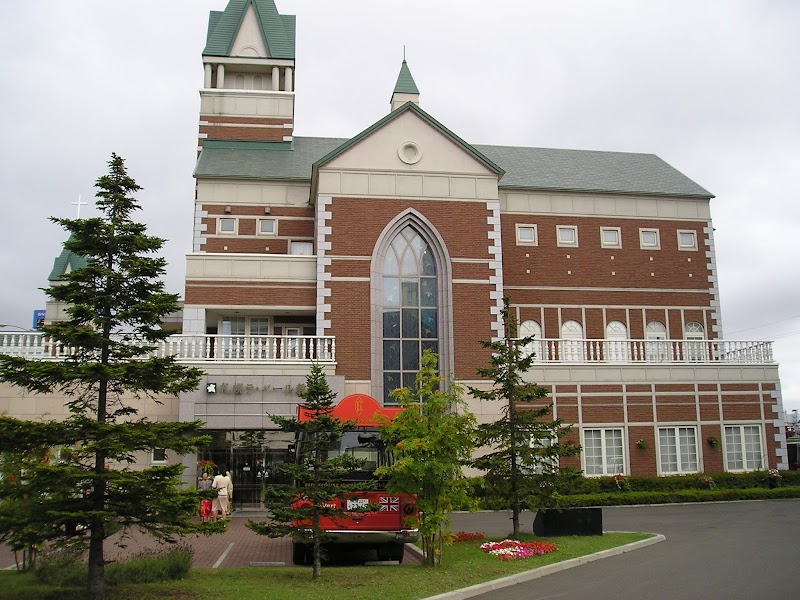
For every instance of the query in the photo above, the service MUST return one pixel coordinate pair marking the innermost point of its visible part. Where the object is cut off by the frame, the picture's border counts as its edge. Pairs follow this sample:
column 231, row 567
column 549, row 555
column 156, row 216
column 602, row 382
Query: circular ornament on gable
column 409, row 153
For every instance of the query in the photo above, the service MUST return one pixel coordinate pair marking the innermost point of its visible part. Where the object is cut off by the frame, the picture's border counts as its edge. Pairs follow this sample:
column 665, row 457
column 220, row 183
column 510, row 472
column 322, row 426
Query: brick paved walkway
column 237, row 547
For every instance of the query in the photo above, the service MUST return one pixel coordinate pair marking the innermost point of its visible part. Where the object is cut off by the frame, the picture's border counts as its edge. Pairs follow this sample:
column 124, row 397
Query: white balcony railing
column 650, row 351
column 197, row 348
column 280, row 348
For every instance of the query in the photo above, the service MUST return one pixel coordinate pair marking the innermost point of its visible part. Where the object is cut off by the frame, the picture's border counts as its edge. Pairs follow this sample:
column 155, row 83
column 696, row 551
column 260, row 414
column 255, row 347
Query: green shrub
column 150, row 566
column 68, row 569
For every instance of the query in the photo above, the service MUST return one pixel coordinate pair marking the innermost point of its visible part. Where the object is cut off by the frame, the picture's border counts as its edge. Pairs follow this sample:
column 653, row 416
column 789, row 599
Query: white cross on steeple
column 79, row 204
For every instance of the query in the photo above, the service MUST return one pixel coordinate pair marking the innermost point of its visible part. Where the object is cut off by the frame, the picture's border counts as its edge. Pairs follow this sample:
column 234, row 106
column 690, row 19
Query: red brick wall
column 249, row 294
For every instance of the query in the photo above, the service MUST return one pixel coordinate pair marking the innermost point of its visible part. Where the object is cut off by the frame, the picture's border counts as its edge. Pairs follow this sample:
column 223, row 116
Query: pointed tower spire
column 405, row 90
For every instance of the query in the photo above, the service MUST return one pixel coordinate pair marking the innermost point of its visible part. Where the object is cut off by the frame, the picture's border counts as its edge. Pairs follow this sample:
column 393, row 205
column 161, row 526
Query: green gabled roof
column 405, row 82
column 591, row 171
column 410, row 106
column 525, row 168
column 66, row 262
column 278, row 31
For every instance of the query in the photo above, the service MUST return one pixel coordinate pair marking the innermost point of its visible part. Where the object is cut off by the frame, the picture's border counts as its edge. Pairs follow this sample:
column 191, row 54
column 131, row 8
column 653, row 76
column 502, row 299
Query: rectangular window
column 610, row 237
column 527, row 235
column 677, row 450
column 603, row 451
column 649, row 239
column 540, row 462
column 159, row 456
column 226, row 225
column 743, row 450
column 567, row 235
column 301, row 248
column 267, row 227
column 687, row 240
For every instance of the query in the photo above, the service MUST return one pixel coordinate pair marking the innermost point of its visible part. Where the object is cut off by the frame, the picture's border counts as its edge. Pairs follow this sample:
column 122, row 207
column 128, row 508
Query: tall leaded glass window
column 410, row 308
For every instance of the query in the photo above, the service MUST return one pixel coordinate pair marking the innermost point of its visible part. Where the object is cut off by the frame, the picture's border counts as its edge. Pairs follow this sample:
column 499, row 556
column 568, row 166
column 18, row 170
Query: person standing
column 205, row 503
column 224, row 486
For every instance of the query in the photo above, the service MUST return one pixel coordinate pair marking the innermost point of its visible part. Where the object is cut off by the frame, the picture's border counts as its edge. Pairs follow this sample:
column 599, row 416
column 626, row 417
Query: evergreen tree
column 431, row 441
column 106, row 364
column 318, row 473
column 523, row 445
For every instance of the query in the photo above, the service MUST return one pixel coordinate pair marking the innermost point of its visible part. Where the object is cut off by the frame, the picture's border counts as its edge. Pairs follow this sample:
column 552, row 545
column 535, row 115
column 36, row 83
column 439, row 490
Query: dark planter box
column 570, row 521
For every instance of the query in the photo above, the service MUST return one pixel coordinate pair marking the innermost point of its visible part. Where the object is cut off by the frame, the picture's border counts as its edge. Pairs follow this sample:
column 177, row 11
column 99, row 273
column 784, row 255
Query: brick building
column 360, row 253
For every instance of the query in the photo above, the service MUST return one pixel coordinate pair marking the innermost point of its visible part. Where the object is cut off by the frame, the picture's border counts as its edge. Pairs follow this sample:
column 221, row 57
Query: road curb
column 496, row 584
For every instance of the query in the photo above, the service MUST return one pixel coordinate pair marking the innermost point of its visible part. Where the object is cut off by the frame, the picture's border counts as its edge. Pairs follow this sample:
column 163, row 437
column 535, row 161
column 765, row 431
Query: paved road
column 738, row 550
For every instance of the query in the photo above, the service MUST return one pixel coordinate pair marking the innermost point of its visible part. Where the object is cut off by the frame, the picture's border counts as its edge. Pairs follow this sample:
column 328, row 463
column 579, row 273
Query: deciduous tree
column 431, row 441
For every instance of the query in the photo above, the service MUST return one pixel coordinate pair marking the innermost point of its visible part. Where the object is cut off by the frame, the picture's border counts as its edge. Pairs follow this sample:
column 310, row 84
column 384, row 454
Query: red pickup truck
column 393, row 522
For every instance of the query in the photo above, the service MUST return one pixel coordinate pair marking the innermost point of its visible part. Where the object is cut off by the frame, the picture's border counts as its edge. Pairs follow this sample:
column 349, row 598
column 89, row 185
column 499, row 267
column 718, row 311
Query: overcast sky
column 709, row 86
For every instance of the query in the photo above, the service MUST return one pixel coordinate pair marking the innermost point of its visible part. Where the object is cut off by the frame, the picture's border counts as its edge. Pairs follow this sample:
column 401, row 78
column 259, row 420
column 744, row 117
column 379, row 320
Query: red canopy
column 362, row 409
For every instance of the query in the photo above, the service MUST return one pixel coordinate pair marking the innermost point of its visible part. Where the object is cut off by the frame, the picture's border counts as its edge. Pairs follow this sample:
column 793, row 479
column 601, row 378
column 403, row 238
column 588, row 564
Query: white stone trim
column 324, row 214
column 716, row 314
column 495, row 249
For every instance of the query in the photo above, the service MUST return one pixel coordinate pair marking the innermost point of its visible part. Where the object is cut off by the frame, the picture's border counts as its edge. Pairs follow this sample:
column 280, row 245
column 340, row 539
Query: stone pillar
column 288, row 78
column 207, row 76
column 276, row 79
column 220, row 76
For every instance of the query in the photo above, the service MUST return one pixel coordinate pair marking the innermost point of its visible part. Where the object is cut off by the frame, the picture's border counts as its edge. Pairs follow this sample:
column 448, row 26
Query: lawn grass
column 463, row 565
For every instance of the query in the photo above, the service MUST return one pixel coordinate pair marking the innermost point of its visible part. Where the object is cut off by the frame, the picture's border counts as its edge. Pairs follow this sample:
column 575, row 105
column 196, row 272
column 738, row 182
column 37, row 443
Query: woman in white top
column 224, row 486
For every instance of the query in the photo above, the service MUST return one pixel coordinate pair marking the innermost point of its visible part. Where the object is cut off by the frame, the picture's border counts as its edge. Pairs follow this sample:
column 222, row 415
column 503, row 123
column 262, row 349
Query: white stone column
column 288, row 78
column 220, row 76
column 207, row 76
column 276, row 79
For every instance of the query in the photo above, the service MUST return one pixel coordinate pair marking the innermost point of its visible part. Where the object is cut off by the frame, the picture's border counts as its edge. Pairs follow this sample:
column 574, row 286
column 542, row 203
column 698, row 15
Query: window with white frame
column 539, row 461
column 694, row 334
column 603, row 452
column 677, row 450
column 571, row 341
column 656, row 347
column 611, row 237
column 616, row 346
column 527, row 235
column 158, row 456
column 301, row 248
column 649, row 239
column 267, row 227
column 567, row 235
column 743, row 450
column 535, row 346
column 226, row 225
column 687, row 239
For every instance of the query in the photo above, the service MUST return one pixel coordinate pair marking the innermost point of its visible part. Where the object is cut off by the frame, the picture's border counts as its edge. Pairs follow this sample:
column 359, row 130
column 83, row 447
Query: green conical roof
column 405, row 82
column 277, row 30
column 66, row 262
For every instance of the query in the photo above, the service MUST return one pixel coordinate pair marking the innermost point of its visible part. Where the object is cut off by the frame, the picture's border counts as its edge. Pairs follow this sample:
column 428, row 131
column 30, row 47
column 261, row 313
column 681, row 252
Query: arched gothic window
column 616, row 347
column 572, row 341
column 410, row 308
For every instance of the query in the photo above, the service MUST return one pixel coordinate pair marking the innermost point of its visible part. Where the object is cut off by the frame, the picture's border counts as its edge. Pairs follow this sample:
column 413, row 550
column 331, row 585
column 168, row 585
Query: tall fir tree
column 318, row 474
column 524, row 445
column 432, row 439
column 106, row 368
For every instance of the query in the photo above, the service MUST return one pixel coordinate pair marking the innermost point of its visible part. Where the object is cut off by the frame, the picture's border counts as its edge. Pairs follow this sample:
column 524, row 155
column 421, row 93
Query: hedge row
column 678, row 496
column 606, row 491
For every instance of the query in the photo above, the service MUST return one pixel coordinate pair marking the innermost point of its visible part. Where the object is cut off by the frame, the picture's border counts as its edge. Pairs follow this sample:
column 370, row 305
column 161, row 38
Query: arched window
column 258, row 82
column 572, row 342
column 238, row 82
column 617, row 348
column 656, row 350
column 410, row 308
column 536, row 346
column 694, row 333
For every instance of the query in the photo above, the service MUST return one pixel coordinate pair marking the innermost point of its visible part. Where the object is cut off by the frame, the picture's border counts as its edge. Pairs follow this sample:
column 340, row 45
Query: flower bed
column 515, row 550
column 467, row 536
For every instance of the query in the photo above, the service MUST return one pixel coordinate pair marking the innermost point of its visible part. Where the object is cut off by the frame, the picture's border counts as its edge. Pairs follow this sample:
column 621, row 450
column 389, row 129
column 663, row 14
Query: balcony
column 585, row 351
column 307, row 349
column 266, row 349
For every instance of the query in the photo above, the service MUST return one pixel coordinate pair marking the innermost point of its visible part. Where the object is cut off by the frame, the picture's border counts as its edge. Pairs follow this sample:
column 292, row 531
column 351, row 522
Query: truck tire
column 300, row 554
column 391, row 551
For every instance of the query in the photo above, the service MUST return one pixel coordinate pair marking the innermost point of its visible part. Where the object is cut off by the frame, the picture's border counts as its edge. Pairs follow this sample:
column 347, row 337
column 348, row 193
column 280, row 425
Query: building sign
column 38, row 319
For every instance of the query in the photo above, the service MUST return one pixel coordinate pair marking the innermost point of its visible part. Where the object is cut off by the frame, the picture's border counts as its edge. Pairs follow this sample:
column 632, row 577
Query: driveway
column 734, row 550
